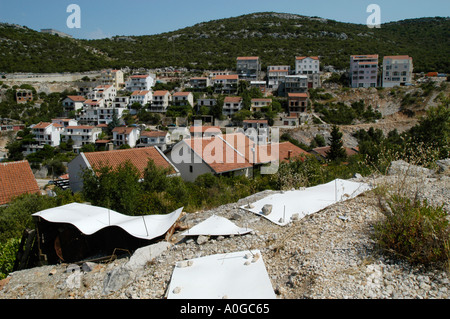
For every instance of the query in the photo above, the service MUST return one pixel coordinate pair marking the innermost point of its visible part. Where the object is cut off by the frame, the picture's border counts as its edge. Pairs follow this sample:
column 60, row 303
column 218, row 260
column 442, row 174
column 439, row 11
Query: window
column 191, row 169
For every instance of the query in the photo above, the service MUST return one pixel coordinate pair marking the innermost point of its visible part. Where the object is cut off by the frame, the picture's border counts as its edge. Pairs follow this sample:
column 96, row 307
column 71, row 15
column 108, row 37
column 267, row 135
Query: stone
column 266, row 209
column 202, row 239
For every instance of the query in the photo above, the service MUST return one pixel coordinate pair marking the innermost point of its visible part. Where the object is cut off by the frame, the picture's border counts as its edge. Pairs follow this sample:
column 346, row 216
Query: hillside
column 276, row 37
column 330, row 254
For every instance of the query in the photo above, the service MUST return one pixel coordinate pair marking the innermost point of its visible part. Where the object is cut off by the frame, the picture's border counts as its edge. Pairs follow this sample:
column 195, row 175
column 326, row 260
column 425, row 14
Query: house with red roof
column 309, row 66
column 16, row 178
column 154, row 138
column 73, row 103
column 225, row 83
column 183, row 98
column 139, row 157
column 80, row 135
column 363, row 70
column 125, row 135
column 297, row 103
column 160, row 101
column 231, row 105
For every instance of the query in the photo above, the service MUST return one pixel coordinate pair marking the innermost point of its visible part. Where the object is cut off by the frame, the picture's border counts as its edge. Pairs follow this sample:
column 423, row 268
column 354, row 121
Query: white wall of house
column 397, row 71
column 75, row 169
column 189, row 164
column 140, row 82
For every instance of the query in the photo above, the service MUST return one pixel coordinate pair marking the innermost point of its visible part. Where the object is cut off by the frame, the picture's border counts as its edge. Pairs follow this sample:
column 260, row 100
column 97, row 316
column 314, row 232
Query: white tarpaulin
column 238, row 275
column 216, row 226
column 306, row 201
column 90, row 219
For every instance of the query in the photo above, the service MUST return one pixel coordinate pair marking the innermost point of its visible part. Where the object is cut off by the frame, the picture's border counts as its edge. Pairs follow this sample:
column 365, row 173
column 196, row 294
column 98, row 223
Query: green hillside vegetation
column 276, row 38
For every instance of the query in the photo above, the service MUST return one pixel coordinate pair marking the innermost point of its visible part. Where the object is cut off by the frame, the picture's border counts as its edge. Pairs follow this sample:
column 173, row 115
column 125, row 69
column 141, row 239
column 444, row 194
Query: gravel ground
column 321, row 256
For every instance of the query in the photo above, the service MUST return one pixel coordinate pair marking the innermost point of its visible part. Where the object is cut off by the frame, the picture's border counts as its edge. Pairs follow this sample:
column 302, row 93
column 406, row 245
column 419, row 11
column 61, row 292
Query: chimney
column 289, row 154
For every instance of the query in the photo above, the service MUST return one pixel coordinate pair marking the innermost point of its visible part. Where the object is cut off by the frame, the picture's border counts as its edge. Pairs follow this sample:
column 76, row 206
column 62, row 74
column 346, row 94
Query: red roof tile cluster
column 76, row 98
column 124, row 129
column 304, row 57
column 139, row 157
column 16, row 178
column 154, row 133
column 227, row 77
column 322, row 151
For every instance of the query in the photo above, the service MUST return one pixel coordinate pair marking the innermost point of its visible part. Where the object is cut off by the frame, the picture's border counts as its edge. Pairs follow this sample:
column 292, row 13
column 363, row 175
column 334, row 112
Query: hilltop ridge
column 276, row 37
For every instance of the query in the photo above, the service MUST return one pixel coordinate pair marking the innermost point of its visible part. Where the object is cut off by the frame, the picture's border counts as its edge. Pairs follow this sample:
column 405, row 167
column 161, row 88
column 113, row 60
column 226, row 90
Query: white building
column 276, row 75
column 141, row 97
column 183, row 98
column 65, row 122
column 81, row 135
column 45, row 133
column 125, row 135
column 231, row 105
column 160, row 101
column 121, row 102
column 397, row 70
column 73, row 103
column 140, row 82
column 99, row 115
column 310, row 66
column 107, row 93
column 226, row 84
column 154, row 138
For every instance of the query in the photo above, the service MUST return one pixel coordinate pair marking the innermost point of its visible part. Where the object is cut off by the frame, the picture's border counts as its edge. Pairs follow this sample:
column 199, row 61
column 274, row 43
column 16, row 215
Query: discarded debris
column 215, row 226
column 222, row 275
column 306, row 201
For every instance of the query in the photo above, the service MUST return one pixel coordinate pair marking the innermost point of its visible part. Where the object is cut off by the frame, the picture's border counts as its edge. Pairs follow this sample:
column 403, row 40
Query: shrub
column 414, row 230
column 8, row 256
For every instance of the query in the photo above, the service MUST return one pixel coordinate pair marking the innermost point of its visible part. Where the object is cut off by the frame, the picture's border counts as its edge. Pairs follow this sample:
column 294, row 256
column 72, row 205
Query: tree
column 336, row 152
column 114, row 122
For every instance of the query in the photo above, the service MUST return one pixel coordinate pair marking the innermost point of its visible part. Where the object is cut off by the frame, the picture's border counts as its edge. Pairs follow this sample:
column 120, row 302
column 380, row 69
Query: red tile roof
column 248, row 58
column 322, row 151
column 140, row 76
column 202, row 129
column 80, row 127
column 139, row 157
column 154, row 133
column 42, row 125
column 76, row 98
column 160, row 93
column 16, row 178
column 144, row 92
column 124, row 129
column 398, row 57
column 297, row 94
column 217, row 154
column 304, row 57
column 227, row 77
column 232, row 99
column 182, row 93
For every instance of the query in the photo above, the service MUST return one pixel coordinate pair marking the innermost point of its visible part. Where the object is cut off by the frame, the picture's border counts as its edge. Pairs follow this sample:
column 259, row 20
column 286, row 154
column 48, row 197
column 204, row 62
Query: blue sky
column 102, row 18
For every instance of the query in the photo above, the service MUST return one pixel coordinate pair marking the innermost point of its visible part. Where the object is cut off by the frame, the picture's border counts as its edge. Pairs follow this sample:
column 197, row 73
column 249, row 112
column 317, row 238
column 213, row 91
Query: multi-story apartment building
column 258, row 104
column 141, row 97
column 121, row 101
column 310, row 66
column 248, row 67
column 112, row 77
column 160, row 101
column 73, row 103
column 45, row 133
column 154, row 138
column 125, row 135
column 295, row 84
column 183, row 98
column 297, row 103
column 140, row 82
column 199, row 82
column 107, row 93
column 226, row 84
column 397, row 70
column 276, row 75
column 99, row 115
column 65, row 122
column 363, row 71
column 80, row 135
column 231, row 105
